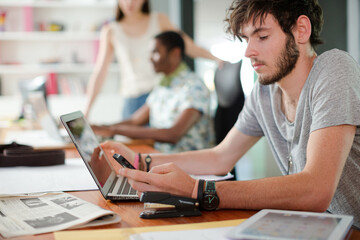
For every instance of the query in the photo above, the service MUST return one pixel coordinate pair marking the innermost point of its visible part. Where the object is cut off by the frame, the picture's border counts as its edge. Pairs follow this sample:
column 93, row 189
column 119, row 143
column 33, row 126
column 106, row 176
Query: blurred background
column 56, row 42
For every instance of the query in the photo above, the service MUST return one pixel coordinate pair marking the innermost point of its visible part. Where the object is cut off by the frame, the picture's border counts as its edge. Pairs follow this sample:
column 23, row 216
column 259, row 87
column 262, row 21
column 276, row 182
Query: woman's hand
column 163, row 178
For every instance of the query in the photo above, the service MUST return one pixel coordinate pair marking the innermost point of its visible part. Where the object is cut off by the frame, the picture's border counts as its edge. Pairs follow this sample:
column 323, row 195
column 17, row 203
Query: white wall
column 353, row 28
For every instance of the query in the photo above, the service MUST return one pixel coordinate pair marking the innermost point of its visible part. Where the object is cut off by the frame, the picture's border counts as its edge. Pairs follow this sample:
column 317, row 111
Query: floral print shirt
column 166, row 103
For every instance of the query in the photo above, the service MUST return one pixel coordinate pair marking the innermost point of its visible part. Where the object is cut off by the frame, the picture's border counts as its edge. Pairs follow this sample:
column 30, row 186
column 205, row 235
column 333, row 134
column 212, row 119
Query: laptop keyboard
column 125, row 188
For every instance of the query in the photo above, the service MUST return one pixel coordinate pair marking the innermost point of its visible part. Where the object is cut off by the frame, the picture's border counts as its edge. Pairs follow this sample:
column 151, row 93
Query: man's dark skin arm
column 133, row 127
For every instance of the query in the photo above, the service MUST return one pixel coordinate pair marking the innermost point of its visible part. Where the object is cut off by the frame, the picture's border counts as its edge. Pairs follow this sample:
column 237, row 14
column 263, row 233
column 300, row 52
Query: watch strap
column 210, row 187
column 200, row 193
column 148, row 161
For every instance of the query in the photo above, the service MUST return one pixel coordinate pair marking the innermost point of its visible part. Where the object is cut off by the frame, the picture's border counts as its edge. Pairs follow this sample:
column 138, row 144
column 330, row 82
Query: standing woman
column 129, row 37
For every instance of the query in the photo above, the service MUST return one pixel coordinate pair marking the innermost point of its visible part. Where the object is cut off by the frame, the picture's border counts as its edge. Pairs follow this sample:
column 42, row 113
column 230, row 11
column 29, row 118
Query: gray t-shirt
column 330, row 97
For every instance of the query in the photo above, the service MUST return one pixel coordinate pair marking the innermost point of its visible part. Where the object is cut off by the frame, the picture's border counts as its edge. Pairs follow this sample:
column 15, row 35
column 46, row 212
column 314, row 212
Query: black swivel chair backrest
column 230, row 96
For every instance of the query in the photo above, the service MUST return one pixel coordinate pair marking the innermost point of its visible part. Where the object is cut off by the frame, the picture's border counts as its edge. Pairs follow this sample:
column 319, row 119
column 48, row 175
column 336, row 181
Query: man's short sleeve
column 196, row 96
column 335, row 94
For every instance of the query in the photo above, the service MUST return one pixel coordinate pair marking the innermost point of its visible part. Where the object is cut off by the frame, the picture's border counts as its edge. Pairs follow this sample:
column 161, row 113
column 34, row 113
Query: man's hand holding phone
column 123, row 162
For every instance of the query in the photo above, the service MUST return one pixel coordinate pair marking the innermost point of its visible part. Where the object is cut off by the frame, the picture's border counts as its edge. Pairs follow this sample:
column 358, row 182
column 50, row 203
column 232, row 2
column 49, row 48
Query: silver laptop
column 111, row 185
column 44, row 118
column 49, row 136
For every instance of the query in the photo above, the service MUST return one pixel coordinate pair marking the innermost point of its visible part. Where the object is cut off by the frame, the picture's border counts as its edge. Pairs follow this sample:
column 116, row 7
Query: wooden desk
column 129, row 211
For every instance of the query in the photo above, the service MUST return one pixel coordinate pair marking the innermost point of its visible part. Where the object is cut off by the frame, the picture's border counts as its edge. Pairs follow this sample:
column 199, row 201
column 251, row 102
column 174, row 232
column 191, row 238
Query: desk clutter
column 165, row 205
column 71, row 176
column 35, row 214
column 26, row 210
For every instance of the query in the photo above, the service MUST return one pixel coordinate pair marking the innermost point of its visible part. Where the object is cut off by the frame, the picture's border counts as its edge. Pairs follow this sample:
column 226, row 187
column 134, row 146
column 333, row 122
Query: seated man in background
column 178, row 108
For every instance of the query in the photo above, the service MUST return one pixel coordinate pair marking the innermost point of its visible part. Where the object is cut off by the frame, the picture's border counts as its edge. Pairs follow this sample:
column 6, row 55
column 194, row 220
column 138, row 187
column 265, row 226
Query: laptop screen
column 89, row 149
column 37, row 101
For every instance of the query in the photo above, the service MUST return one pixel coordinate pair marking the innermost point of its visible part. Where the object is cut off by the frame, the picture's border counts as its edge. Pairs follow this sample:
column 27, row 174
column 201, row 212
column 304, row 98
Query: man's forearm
column 295, row 192
column 140, row 132
column 201, row 162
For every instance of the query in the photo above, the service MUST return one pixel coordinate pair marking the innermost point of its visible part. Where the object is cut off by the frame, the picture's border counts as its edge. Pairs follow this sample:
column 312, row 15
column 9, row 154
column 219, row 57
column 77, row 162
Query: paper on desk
column 52, row 212
column 34, row 138
column 125, row 233
column 213, row 177
column 199, row 234
column 122, row 139
column 72, row 176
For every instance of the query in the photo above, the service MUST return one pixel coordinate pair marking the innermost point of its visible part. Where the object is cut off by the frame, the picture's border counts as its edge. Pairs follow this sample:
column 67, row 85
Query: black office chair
column 230, row 97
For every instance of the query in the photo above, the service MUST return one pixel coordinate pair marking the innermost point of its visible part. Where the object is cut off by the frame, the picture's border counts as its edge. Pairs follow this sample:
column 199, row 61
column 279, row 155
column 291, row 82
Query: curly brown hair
column 286, row 12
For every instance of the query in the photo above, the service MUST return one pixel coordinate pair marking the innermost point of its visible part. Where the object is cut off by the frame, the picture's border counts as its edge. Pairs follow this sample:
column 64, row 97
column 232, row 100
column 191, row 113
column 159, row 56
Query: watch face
column 148, row 159
column 210, row 202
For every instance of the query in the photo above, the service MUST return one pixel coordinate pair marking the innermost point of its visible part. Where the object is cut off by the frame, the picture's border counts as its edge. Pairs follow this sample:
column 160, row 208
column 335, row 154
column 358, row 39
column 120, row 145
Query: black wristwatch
column 210, row 200
column 148, row 162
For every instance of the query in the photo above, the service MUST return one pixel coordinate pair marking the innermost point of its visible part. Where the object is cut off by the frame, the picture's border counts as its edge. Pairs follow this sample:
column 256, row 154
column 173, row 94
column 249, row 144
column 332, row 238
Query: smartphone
column 123, row 162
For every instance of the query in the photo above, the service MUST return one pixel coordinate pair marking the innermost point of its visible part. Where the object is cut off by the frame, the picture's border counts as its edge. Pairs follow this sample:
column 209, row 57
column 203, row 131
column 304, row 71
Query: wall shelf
column 49, row 36
column 30, row 44
column 59, row 3
column 61, row 68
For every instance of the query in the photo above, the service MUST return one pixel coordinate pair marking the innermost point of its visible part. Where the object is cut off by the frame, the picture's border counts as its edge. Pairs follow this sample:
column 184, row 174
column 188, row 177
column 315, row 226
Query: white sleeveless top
column 133, row 55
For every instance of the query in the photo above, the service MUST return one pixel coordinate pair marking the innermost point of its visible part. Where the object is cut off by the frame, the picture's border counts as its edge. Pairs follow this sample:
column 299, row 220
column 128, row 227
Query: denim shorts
column 132, row 104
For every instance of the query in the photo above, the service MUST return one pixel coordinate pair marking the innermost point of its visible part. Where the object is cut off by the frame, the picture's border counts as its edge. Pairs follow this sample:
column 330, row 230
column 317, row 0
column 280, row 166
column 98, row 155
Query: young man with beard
column 307, row 106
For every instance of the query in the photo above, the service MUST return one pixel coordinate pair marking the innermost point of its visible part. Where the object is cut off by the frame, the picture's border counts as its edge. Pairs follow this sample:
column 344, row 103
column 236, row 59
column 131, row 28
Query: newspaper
column 34, row 214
